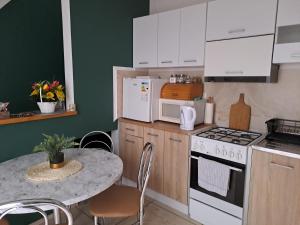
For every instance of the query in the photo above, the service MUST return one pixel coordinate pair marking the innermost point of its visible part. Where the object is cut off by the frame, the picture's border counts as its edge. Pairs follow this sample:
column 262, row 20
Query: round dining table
column 101, row 169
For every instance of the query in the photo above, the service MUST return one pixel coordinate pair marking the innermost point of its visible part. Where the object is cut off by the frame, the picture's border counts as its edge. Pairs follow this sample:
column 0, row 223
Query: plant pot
column 58, row 161
column 47, row 107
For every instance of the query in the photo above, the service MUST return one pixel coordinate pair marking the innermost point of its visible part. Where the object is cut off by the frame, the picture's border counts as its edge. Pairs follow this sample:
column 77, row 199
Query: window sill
column 36, row 117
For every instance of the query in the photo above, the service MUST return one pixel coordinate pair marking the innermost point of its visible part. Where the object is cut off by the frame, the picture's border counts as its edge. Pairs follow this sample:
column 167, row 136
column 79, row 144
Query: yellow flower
column 34, row 92
column 60, row 95
column 50, row 95
column 60, row 87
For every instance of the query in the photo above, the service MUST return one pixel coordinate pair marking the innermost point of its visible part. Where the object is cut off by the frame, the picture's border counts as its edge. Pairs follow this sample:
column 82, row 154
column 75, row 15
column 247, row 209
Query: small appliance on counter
column 141, row 98
column 187, row 117
column 169, row 109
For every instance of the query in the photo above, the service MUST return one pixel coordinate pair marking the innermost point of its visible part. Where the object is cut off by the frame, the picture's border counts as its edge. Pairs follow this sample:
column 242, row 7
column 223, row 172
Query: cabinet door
column 145, row 41
column 192, row 35
column 156, row 137
column 130, row 152
column 288, row 12
column 240, row 18
column 239, row 57
column 274, row 190
column 176, row 167
column 168, row 38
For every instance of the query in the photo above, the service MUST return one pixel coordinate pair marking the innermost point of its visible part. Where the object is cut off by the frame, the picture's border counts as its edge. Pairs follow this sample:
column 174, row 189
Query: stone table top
column 101, row 169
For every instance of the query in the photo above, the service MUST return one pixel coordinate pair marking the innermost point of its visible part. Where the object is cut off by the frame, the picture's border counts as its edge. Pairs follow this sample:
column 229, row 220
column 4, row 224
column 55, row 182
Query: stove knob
column 202, row 147
column 231, row 154
column 239, row 156
column 224, row 152
column 218, row 150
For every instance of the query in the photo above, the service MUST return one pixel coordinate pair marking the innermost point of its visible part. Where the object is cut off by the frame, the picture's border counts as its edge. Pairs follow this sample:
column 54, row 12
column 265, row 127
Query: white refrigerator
column 141, row 98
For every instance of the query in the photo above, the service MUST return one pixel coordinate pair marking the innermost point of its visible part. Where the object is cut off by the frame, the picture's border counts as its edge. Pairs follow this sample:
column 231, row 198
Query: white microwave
column 169, row 109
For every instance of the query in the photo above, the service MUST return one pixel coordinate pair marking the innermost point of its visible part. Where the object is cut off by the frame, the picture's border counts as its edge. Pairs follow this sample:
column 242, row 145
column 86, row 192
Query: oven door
column 235, row 195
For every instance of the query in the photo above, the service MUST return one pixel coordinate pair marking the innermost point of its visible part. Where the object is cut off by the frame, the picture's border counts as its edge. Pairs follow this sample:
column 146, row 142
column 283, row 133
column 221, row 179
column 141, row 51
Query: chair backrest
column 145, row 167
column 35, row 205
column 97, row 139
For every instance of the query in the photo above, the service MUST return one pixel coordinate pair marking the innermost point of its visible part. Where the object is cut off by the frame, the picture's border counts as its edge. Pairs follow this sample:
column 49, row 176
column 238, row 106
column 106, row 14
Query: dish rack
column 282, row 130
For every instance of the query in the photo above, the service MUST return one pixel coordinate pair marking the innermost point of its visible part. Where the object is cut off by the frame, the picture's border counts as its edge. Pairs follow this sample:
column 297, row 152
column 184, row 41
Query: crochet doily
column 43, row 172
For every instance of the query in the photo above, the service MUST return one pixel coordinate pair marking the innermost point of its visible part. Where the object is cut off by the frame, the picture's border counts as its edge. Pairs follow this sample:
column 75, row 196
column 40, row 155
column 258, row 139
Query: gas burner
column 236, row 141
column 247, row 136
column 211, row 136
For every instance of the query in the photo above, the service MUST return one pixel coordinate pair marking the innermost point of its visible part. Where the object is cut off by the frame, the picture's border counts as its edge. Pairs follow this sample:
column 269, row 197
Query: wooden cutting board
column 240, row 114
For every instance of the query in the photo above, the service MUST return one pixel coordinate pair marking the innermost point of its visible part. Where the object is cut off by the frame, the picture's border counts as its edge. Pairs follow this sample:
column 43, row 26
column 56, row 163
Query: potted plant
column 47, row 95
column 53, row 146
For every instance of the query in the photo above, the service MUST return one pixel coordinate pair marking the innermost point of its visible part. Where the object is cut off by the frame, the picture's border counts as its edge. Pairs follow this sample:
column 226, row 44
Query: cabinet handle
column 166, row 62
column 234, row 72
column 190, row 61
column 153, row 135
column 130, row 129
column 281, row 166
column 143, row 63
column 175, row 140
column 239, row 30
column 129, row 141
column 295, row 55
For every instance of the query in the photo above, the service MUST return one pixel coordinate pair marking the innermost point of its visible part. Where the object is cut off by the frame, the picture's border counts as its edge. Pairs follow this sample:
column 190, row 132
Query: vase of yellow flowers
column 47, row 94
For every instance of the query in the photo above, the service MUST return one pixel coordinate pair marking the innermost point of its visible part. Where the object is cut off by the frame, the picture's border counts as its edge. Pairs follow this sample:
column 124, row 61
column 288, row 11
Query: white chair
column 34, row 205
column 100, row 138
column 124, row 201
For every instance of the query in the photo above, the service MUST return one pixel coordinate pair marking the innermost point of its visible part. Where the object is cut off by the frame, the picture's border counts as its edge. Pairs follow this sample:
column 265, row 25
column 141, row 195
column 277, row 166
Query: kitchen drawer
column 287, row 53
column 244, row 57
column 132, row 129
column 236, row 18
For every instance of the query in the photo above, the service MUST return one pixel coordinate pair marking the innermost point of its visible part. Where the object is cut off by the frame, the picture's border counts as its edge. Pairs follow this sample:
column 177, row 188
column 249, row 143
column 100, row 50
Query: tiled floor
column 155, row 214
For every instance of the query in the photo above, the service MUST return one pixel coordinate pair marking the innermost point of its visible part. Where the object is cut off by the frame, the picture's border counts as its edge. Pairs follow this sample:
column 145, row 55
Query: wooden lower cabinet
column 274, row 190
column 176, row 166
column 156, row 138
column 169, row 172
column 130, row 151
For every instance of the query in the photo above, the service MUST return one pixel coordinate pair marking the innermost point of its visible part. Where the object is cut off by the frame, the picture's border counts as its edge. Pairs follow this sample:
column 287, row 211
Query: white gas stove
column 224, row 143
column 228, row 147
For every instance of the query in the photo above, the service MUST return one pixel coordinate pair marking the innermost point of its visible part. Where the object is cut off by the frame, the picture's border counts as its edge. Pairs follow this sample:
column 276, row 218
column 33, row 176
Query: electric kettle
column 187, row 117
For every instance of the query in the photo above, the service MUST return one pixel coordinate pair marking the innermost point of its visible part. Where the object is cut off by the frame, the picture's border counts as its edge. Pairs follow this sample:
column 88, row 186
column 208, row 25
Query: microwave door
column 136, row 99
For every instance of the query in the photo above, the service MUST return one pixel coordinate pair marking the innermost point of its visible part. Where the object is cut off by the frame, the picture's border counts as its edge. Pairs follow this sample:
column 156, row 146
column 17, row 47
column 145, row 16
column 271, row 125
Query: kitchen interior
column 214, row 88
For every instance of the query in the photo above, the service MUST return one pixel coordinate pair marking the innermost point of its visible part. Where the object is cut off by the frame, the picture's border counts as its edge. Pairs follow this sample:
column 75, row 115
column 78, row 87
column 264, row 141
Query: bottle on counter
column 172, row 79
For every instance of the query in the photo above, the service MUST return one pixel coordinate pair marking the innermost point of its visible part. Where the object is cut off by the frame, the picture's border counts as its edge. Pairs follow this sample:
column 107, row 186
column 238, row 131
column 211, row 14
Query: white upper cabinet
column 192, row 35
column 240, row 18
column 168, row 38
column 145, row 41
column 287, row 47
column 288, row 12
column 244, row 57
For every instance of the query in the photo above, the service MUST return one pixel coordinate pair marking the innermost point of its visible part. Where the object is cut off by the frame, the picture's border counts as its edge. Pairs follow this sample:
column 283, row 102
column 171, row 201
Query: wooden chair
column 35, row 206
column 124, row 201
column 97, row 139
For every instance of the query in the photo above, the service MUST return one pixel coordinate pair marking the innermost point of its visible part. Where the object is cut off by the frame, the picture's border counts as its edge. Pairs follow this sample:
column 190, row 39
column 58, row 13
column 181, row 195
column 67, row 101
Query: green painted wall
column 102, row 37
column 31, row 49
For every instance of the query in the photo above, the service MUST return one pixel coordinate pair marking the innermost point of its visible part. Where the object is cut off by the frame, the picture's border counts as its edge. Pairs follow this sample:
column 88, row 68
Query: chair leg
column 95, row 220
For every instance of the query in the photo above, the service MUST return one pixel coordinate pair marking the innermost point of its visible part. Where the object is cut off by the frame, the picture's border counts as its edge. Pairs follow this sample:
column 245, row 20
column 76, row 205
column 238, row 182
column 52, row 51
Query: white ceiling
column 157, row 6
column 3, row 3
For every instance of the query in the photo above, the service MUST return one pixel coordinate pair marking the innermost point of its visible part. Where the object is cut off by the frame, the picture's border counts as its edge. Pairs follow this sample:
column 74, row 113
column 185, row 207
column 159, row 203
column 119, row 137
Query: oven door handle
column 231, row 167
